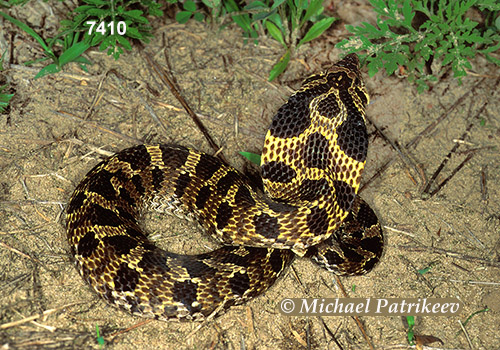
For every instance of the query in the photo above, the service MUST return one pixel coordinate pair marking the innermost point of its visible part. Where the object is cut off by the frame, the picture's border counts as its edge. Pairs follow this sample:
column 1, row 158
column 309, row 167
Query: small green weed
column 409, row 33
column 72, row 48
column 252, row 157
column 190, row 10
column 109, row 25
column 112, row 25
column 100, row 340
column 411, row 334
column 4, row 97
column 290, row 22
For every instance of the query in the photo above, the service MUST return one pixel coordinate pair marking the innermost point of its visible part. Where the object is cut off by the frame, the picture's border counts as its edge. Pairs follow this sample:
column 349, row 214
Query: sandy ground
column 62, row 125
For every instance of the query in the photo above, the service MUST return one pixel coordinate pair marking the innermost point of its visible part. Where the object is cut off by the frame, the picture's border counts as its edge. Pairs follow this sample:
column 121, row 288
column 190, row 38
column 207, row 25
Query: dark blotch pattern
column 87, row 244
column 207, row 166
column 329, row 107
column 350, row 253
column 266, row 225
column 125, row 197
column 318, row 221
column 366, row 217
column 239, row 283
column 370, row 264
column 137, row 181
column 316, row 152
column 333, row 258
column 182, row 182
column 126, row 279
column 225, row 183
column 279, row 207
column 345, row 194
column 155, row 259
column 185, row 293
column 174, row 156
column 278, row 172
column 224, row 213
column 202, row 196
column 196, row 268
column 122, row 245
column 103, row 217
column 101, row 183
column 158, row 178
column 352, row 135
column 126, row 214
column 372, row 244
column 311, row 190
column 292, row 118
column 276, row 261
column 76, row 202
column 138, row 157
column 243, row 198
column 135, row 232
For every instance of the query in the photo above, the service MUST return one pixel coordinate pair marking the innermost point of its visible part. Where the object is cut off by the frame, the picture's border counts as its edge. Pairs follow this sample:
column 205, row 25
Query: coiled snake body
column 313, row 156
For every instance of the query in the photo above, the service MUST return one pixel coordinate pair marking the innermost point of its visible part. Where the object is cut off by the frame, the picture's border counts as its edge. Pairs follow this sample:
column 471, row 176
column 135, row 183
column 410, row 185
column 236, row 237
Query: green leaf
column 275, row 33
column 316, row 30
column 189, row 5
column 279, row 67
column 408, row 14
column 411, row 322
column 252, row 157
column 256, row 5
column 424, row 270
column 183, row 16
column 97, row 2
column 136, row 15
column 123, row 42
column 213, row 4
column 73, row 52
column 50, row 69
column 374, row 65
column 276, row 4
column 133, row 32
column 100, row 13
column 30, row 31
column 315, row 8
column 198, row 16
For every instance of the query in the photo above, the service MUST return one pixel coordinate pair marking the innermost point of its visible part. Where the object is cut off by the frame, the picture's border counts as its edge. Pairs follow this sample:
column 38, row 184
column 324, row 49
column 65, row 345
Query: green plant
column 287, row 21
column 410, row 333
column 443, row 31
column 297, row 13
column 111, row 25
column 4, row 97
column 190, row 10
column 72, row 48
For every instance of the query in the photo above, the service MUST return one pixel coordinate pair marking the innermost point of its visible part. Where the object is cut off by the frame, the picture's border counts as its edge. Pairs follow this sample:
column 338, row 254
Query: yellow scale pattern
column 313, row 157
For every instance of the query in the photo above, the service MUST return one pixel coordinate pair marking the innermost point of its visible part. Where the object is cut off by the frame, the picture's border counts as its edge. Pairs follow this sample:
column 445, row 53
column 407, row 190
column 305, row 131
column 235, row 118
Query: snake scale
column 313, row 156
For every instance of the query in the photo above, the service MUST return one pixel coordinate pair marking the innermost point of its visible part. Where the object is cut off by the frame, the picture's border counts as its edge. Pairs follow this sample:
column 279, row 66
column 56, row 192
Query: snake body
column 313, row 156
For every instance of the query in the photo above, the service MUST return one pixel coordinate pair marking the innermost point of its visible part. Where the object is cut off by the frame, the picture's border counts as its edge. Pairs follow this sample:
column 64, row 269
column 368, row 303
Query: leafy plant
column 72, row 48
column 287, row 21
column 401, row 41
column 410, row 333
column 297, row 14
column 111, row 25
column 4, row 97
column 189, row 11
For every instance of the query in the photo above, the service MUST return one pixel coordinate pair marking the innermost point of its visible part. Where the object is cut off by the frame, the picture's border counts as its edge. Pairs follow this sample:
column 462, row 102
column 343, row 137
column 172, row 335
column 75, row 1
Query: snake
column 305, row 204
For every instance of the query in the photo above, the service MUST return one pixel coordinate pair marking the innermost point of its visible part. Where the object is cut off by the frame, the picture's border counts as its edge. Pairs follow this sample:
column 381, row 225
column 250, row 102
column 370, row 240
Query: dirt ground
column 61, row 125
